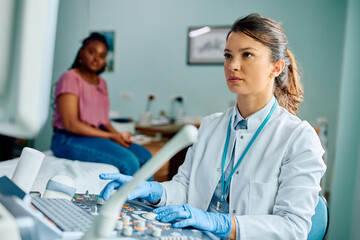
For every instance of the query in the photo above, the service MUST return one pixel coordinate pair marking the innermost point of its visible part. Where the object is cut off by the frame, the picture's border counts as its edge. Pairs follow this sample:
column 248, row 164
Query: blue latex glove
column 216, row 223
column 148, row 190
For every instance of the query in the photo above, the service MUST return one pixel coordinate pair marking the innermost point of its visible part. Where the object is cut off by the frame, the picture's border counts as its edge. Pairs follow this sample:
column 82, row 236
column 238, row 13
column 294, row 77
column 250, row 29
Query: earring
column 80, row 60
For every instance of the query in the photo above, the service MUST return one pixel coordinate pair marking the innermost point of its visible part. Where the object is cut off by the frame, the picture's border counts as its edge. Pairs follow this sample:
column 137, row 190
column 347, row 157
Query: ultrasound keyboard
column 71, row 219
column 135, row 221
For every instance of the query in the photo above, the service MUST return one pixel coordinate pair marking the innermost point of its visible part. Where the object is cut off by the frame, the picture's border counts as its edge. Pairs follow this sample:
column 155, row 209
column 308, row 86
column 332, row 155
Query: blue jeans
column 99, row 150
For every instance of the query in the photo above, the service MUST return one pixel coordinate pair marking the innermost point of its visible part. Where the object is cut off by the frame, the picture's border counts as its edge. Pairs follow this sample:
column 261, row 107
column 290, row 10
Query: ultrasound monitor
column 27, row 30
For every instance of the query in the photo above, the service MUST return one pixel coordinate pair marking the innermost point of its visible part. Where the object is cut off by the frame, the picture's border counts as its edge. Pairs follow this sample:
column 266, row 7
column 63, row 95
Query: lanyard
column 225, row 185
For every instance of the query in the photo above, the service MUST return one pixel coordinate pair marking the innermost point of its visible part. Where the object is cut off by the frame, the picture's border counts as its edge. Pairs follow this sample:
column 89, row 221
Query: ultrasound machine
column 55, row 218
column 87, row 216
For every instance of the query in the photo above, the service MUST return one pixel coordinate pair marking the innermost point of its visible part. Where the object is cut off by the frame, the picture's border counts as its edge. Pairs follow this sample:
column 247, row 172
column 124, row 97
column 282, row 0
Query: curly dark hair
column 93, row 37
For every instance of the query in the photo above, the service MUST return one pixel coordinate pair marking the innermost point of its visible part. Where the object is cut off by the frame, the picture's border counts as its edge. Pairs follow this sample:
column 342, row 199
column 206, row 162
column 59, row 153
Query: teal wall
column 151, row 50
column 345, row 195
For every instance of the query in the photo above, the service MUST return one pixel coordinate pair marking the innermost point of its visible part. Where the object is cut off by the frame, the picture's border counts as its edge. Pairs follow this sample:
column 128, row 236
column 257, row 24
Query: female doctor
column 254, row 171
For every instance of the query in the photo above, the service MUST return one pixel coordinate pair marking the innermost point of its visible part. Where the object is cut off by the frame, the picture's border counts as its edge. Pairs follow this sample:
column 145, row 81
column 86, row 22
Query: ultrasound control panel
column 137, row 221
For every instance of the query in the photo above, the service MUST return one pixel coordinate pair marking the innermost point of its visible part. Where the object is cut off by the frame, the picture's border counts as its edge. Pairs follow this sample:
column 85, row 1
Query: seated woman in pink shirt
column 82, row 130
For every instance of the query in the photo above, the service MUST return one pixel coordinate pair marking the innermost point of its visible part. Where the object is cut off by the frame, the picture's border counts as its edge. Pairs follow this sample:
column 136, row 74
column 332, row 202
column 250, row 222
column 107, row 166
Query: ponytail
column 288, row 89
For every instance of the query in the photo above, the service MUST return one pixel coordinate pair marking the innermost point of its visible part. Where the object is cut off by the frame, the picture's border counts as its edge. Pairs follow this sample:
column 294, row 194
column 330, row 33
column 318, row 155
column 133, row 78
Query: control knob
column 127, row 231
column 156, row 232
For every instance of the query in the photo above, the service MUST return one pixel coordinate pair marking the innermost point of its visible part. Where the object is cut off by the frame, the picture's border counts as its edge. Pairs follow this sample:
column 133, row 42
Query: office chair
column 320, row 220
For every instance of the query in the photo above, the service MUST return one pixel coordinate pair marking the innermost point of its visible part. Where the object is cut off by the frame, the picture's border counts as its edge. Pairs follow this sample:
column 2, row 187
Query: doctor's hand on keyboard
column 149, row 190
column 185, row 215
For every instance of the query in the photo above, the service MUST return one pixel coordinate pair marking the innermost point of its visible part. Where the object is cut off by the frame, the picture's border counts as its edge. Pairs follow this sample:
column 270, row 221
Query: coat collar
column 255, row 119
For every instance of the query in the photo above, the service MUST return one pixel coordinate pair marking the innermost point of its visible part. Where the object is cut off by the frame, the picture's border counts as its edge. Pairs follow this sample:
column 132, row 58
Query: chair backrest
column 320, row 220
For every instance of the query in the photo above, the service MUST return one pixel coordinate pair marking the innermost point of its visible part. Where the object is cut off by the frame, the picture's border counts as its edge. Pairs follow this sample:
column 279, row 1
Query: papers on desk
column 190, row 120
column 143, row 139
column 160, row 121
column 123, row 125
column 184, row 120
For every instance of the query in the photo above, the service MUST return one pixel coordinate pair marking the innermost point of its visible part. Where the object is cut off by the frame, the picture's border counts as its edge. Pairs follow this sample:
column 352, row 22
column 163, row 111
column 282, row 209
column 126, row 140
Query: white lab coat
column 274, row 193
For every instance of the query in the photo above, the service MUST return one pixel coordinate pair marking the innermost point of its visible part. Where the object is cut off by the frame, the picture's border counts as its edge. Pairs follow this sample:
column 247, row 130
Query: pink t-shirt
column 94, row 104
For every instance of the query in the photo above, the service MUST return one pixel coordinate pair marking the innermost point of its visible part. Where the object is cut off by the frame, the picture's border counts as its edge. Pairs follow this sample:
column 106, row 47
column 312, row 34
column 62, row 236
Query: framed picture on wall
column 110, row 38
column 206, row 44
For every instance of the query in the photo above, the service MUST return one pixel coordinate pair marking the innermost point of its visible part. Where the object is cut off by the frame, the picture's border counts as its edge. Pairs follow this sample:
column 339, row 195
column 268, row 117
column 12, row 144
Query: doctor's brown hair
column 287, row 88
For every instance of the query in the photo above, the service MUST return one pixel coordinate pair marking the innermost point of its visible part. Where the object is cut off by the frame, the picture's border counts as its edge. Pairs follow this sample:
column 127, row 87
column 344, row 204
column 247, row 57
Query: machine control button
column 197, row 233
column 161, row 223
column 140, row 212
column 138, row 217
column 119, row 225
column 127, row 231
column 126, row 220
column 100, row 201
column 176, row 236
column 150, row 215
column 94, row 209
column 156, row 232
column 140, row 225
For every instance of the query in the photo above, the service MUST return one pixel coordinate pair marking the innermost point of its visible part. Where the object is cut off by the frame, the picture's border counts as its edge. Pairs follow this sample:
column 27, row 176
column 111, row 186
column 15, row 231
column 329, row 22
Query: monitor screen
column 27, row 29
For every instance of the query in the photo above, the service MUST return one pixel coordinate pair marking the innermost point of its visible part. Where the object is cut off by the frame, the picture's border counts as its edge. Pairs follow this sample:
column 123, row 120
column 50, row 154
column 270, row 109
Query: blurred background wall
column 150, row 56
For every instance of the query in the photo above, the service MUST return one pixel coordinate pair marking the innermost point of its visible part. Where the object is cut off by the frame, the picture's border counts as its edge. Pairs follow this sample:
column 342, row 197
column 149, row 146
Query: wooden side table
column 170, row 168
column 162, row 174
column 166, row 131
